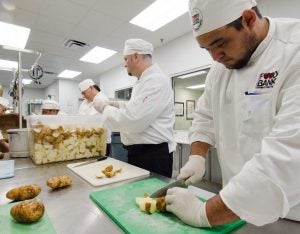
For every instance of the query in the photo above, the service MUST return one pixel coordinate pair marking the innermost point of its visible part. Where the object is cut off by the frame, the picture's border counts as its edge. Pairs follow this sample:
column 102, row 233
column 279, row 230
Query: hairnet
column 50, row 105
column 84, row 85
column 139, row 46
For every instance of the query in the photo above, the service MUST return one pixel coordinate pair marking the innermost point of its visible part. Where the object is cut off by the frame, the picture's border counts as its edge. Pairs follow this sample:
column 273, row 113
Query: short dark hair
column 146, row 55
column 96, row 87
column 237, row 24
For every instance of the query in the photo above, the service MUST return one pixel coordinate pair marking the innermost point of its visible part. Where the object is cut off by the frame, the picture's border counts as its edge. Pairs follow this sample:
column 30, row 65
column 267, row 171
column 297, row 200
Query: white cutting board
column 89, row 171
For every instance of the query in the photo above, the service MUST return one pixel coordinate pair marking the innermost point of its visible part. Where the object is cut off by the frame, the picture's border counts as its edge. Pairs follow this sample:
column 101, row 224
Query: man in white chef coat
column 4, row 104
column 91, row 92
column 250, row 111
column 146, row 121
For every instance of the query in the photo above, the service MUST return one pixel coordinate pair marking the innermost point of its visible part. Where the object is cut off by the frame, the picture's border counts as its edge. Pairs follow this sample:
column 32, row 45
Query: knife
column 91, row 161
column 163, row 191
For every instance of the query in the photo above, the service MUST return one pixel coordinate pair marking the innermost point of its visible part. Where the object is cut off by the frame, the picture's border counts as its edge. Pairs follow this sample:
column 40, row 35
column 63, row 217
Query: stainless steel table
column 71, row 210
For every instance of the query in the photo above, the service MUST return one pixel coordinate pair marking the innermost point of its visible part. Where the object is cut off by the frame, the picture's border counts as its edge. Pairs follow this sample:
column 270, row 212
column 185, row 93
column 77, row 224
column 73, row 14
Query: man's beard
column 251, row 44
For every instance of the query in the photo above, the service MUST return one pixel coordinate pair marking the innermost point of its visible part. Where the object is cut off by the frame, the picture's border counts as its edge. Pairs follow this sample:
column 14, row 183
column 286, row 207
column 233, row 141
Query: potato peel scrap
column 109, row 171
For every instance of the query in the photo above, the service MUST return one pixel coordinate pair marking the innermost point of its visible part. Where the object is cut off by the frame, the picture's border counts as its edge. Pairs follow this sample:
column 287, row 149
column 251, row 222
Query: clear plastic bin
column 63, row 137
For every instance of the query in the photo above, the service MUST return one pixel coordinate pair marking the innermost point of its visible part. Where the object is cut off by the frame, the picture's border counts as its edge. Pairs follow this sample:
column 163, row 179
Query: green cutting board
column 119, row 204
column 9, row 226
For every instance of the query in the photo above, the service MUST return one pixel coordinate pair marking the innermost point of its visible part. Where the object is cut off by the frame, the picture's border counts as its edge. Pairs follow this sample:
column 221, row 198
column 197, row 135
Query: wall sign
column 179, row 108
column 190, row 108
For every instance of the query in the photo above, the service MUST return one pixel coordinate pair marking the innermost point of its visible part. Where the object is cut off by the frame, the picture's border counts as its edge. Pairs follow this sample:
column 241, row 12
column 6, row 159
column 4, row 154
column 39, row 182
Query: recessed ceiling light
column 68, row 74
column 8, row 65
column 196, row 86
column 198, row 73
column 97, row 55
column 26, row 81
column 13, row 35
column 159, row 13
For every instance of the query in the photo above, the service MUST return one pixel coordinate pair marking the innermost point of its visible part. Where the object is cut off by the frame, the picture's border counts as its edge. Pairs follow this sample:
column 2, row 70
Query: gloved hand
column 114, row 104
column 186, row 207
column 100, row 105
column 193, row 170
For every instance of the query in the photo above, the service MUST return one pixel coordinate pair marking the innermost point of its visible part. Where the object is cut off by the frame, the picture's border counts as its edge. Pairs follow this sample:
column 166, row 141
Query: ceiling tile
column 30, row 5
column 120, row 9
column 56, row 26
column 67, row 11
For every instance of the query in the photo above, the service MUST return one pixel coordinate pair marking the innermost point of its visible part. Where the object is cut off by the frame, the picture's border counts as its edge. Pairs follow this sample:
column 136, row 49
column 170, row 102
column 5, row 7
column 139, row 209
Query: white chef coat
column 87, row 108
column 1, row 136
column 148, row 117
column 257, row 134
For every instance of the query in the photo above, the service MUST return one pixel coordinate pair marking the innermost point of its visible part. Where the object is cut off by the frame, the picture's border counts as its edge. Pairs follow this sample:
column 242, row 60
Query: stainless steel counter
column 71, row 210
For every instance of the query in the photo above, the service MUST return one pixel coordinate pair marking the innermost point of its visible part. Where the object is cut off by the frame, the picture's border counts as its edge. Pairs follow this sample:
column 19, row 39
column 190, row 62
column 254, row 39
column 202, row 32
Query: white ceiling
column 102, row 23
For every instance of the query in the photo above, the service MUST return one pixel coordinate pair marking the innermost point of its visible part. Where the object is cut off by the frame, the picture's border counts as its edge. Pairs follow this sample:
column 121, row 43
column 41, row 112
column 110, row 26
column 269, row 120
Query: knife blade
column 91, row 161
column 163, row 191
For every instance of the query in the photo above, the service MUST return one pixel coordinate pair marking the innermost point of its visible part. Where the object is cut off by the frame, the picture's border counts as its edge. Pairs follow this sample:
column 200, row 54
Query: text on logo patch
column 267, row 80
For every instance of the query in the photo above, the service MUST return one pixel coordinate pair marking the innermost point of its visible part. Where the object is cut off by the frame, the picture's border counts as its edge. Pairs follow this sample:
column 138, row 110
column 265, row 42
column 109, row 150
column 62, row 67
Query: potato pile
column 151, row 205
column 52, row 143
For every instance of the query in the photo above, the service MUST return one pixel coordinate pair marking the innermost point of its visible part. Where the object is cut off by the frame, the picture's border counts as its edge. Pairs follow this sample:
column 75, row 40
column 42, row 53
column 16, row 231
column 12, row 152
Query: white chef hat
column 4, row 102
column 84, row 85
column 208, row 15
column 50, row 105
column 139, row 46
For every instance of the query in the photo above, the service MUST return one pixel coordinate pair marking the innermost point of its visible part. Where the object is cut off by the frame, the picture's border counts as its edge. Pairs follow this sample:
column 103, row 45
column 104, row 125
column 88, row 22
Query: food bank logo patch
column 267, row 80
column 197, row 19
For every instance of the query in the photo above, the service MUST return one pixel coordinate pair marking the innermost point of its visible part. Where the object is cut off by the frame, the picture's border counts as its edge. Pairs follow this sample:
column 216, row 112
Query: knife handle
column 101, row 158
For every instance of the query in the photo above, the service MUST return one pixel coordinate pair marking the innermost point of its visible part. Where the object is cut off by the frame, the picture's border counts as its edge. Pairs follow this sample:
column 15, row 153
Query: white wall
column 181, row 95
column 280, row 8
column 53, row 91
column 68, row 96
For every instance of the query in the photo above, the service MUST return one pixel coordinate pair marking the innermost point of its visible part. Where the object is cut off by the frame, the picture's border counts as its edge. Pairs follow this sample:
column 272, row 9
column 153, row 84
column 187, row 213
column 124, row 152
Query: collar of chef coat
column 153, row 68
column 263, row 45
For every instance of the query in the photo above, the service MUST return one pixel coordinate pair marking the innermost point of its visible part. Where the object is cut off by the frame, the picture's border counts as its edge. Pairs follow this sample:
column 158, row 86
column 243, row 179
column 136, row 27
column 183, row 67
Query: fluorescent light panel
column 160, row 13
column 192, row 74
column 97, row 55
column 13, row 35
column 26, row 81
column 7, row 64
column 68, row 74
column 196, row 86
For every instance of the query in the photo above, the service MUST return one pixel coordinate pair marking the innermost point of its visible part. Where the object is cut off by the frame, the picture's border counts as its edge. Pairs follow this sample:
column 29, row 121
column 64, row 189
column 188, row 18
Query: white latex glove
column 186, row 207
column 193, row 171
column 114, row 104
column 100, row 105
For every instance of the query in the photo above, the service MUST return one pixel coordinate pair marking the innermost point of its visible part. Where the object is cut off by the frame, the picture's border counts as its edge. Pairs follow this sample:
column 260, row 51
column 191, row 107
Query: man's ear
column 249, row 19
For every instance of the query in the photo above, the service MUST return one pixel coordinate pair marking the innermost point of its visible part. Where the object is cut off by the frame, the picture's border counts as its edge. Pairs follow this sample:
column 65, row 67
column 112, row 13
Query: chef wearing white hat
column 250, row 111
column 146, row 121
column 50, row 107
column 4, row 104
column 91, row 92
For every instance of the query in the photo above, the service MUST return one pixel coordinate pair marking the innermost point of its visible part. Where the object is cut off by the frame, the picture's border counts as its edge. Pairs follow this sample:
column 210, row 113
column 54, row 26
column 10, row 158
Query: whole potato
column 28, row 211
column 24, row 192
column 59, row 181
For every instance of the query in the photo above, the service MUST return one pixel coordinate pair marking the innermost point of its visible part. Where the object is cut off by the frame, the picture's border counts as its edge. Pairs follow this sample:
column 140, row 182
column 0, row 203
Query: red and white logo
column 267, row 80
column 196, row 18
